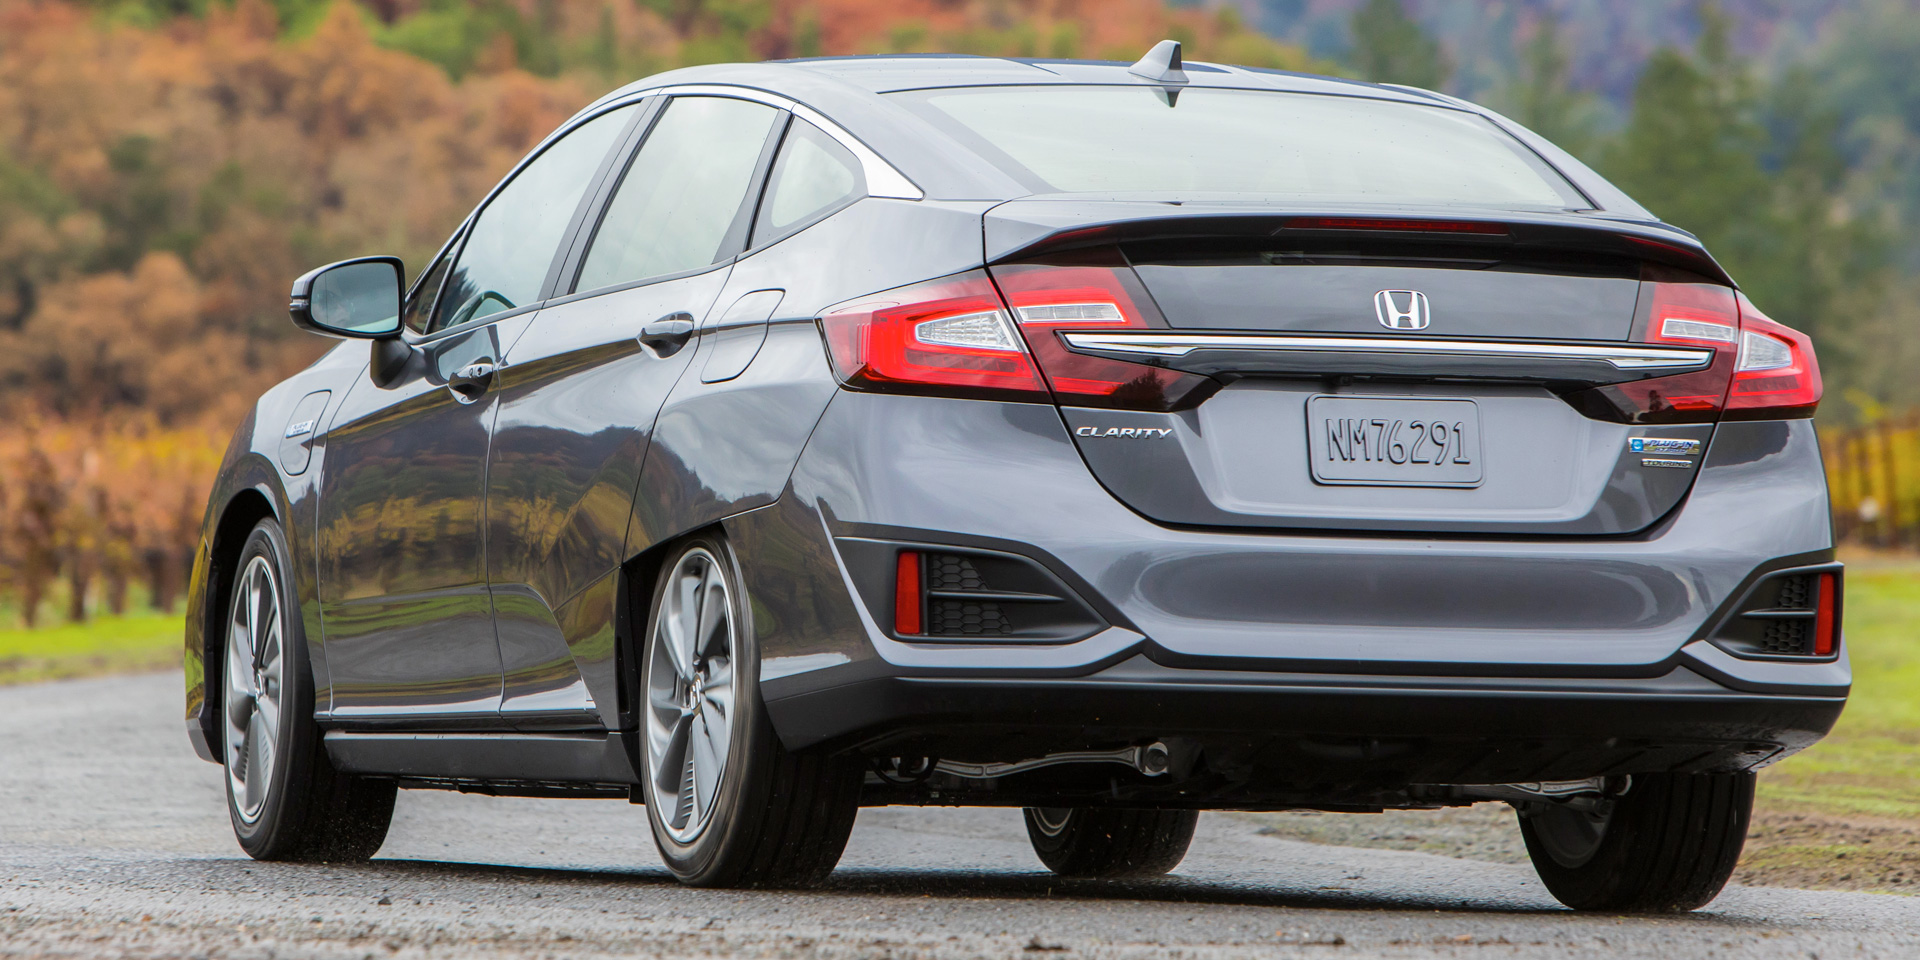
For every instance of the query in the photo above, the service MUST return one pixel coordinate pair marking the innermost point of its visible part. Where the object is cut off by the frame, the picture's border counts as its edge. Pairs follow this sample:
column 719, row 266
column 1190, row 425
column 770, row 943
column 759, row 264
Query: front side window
column 418, row 309
column 676, row 206
column 1272, row 144
column 813, row 176
column 512, row 242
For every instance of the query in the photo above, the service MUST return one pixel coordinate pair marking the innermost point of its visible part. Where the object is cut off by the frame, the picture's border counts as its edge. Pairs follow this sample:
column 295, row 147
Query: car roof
column 850, row 91
column 892, row 73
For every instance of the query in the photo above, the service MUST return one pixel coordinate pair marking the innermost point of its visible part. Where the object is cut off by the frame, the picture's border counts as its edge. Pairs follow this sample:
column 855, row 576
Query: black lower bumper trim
column 1321, row 728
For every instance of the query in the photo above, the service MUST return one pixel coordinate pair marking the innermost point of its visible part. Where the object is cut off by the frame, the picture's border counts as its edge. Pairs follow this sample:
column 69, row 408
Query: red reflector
column 906, row 595
column 1825, row 637
column 1401, row 226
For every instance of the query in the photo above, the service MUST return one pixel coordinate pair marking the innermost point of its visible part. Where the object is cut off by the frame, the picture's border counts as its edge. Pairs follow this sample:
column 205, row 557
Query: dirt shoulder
column 1785, row 848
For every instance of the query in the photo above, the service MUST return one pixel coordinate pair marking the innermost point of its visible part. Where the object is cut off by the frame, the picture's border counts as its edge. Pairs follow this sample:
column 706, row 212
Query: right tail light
column 1777, row 374
column 1762, row 370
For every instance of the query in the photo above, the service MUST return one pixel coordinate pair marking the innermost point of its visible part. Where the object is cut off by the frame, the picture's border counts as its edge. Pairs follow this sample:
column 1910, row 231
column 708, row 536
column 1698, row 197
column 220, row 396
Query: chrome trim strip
column 883, row 180
column 1622, row 357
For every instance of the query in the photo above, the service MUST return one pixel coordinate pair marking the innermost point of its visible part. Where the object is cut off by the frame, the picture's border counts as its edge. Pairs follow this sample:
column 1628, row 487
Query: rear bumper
column 1298, row 729
column 1305, row 655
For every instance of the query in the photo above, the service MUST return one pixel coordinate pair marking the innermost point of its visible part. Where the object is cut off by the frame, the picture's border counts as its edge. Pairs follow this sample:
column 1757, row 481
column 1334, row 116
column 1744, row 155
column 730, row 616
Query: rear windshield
column 1126, row 139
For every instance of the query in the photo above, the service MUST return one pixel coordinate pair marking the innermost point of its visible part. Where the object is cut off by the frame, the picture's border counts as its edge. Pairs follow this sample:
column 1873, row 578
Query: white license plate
column 1394, row 442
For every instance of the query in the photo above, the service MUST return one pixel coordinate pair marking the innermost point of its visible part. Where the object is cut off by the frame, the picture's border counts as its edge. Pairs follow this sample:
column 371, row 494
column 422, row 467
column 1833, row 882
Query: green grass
column 141, row 641
column 1870, row 764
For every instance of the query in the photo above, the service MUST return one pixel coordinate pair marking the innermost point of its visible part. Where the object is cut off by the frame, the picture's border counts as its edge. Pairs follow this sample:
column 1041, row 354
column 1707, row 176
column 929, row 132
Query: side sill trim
column 559, row 758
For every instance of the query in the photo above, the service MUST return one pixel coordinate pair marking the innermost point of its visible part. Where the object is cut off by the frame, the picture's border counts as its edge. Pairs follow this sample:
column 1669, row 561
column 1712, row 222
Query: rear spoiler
column 1025, row 229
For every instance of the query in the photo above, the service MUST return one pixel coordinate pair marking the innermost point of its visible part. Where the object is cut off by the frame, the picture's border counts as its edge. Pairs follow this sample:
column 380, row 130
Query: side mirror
column 353, row 298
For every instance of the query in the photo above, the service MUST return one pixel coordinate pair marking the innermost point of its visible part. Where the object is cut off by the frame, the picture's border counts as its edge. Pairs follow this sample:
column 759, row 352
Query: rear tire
column 1110, row 842
column 729, row 806
column 1667, row 846
column 286, row 800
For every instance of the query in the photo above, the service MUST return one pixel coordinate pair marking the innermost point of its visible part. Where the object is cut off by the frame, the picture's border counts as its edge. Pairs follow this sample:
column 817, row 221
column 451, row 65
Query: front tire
column 729, row 807
column 1667, row 846
column 1110, row 842
column 286, row 800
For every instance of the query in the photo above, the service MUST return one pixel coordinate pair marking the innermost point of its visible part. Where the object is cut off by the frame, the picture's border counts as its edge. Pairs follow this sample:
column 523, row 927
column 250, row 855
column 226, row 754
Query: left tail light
column 958, row 336
column 948, row 337
column 1099, row 292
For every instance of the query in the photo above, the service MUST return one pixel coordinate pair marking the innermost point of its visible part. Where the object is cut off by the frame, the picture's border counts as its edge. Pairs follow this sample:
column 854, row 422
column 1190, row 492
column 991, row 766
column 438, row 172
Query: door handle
column 668, row 334
column 471, row 381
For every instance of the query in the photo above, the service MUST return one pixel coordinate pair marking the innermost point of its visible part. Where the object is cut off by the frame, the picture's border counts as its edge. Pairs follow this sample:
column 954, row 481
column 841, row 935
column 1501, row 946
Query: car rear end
column 1321, row 451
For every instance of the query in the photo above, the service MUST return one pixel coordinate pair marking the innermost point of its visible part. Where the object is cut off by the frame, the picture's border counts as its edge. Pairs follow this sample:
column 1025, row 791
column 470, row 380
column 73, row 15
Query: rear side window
column 1127, row 139
column 677, row 204
column 513, row 241
column 813, row 177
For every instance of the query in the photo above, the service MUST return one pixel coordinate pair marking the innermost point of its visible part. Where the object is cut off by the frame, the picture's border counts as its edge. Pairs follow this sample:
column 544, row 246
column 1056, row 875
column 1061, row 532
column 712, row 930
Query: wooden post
column 1842, row 493
column 1869, row 483
column 1890, row 475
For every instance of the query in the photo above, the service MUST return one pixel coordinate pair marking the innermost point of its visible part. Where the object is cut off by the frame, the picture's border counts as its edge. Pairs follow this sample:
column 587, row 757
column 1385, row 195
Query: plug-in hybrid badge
column 1402, row 309
column 1663, row 445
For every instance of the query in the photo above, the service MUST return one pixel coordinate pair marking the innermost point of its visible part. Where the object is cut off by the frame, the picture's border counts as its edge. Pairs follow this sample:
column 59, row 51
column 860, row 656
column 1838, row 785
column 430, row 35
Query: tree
column 1390, row 47
column 1755, row 173
column 1692, row 146
column 1541, row 95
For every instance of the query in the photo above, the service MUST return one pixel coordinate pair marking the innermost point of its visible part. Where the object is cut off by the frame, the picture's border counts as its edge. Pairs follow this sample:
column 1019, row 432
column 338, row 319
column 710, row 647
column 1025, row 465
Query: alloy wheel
column 1570, row 836
column 691, row 679
column 1051, row 821
column 254, row 686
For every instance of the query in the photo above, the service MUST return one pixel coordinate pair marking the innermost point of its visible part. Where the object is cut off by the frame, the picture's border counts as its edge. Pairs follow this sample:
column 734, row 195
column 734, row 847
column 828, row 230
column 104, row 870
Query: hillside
column 1609, row 40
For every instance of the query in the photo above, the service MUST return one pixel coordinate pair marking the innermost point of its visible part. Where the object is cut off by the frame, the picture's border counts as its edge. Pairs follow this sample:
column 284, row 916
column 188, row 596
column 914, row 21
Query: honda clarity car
column 1110, row 441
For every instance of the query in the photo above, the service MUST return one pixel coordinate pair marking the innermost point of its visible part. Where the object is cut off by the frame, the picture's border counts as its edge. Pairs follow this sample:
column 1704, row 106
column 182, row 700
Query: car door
column 404, row 603
column 580, row 390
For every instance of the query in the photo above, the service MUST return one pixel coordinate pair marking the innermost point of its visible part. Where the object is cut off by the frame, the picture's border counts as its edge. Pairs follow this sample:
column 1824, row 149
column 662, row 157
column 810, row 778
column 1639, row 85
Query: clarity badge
column 1663, row 445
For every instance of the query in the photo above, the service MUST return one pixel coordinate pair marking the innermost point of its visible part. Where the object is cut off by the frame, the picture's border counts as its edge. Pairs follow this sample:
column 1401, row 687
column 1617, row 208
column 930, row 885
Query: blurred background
column 167, row 167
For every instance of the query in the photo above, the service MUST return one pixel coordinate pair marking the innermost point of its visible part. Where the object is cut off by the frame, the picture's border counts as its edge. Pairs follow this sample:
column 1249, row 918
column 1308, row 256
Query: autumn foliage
column 163, row 176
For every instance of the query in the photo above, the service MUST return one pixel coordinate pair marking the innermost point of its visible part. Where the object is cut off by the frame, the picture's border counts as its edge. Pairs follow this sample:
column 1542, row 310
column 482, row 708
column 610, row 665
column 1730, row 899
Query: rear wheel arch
column 776, row 818
column 639, row 576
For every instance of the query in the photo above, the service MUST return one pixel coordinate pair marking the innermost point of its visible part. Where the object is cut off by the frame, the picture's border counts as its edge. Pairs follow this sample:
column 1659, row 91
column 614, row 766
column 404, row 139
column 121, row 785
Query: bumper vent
column 940, row 594
column 950, row 571
column 1792, row 615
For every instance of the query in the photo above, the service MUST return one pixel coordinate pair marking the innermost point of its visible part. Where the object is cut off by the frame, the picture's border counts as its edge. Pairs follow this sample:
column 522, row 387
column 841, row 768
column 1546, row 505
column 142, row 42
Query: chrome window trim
column 1621, row 356
column 883, row 179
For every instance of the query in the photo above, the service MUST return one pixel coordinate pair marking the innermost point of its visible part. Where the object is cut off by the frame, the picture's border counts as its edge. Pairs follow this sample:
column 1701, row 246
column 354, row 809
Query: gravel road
column 114, row 842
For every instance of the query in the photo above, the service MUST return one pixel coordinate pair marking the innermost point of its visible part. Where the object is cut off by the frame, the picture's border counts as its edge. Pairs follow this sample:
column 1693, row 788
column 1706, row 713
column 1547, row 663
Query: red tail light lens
column 1777, row 374
column 1048, row 299
column 1760, row 370
column 949, row 337
column 1691, row 315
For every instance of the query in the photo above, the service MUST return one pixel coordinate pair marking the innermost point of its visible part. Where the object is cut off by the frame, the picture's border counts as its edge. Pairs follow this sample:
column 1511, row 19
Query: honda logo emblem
column 1402, row 309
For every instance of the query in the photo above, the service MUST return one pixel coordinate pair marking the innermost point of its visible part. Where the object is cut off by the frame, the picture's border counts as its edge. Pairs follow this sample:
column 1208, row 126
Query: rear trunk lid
column 1433, row 373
